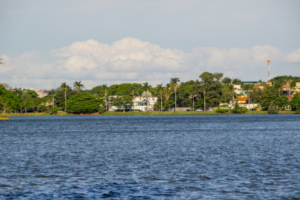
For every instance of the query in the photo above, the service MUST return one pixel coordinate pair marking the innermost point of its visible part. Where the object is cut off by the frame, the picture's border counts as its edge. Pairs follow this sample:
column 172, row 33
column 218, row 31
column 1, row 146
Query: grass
column 142, row 113
column 3, row 117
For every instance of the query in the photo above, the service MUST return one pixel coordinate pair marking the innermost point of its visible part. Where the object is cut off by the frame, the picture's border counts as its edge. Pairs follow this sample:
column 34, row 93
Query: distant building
column 138, row 103
column 269, row 83
column 259, row 87
column 243, row 103
column 249, row 82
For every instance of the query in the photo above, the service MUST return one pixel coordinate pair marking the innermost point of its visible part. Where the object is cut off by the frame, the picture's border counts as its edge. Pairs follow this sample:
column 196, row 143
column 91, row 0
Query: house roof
column 269, row 82
column 291, row 96
column 283, row 86
column 241, row 99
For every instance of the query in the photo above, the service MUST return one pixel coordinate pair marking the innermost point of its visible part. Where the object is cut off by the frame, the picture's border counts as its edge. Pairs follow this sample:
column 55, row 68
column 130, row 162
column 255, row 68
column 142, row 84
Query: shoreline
column 141, row 113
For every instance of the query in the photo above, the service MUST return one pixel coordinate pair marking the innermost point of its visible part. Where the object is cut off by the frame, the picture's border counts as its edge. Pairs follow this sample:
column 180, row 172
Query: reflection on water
column 150, row 157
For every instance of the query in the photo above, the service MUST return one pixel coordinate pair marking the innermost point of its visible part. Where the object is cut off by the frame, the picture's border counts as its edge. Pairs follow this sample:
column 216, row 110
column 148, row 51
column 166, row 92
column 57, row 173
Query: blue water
column 150, row 157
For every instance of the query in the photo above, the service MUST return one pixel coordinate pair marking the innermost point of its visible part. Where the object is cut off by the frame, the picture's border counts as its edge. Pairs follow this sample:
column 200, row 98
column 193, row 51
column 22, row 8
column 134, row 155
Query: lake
column 150, row 157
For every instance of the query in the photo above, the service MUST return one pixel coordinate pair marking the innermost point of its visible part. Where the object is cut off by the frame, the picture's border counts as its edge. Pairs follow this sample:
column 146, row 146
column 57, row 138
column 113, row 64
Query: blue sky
column 44, row 43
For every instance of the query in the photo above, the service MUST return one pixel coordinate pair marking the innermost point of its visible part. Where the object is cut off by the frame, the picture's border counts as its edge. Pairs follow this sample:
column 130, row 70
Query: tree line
column 210, row 90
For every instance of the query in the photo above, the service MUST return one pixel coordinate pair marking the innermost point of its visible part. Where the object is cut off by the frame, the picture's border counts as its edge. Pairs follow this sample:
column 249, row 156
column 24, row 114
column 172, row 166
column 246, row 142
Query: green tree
column 295, row 103
column 272, row 108
column 174, row 82
column 84, row 103
column 282, row 101
column 236, row 81
column 64, row 87
column 207, row 77
column 160, row 90
column 226, row 80
column 146, row 88
column 218, row 76
column 123, row 101
column 25, row 98
column 239, row 110
column 78, row 85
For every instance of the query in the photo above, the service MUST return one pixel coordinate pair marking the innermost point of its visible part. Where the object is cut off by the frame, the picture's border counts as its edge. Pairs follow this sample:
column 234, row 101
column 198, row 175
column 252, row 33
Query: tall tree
column 218, row 76
column 64, row 86
column 146, row 88
column 174, row 82
column 24, row 98
column 78, row 85
column 160, row 91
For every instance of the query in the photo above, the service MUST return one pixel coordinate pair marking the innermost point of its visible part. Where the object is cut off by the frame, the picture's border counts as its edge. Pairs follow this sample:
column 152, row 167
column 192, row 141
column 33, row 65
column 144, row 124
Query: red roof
column 256, row 86
column 291, row 97
column 283, row 86
column 241, row 99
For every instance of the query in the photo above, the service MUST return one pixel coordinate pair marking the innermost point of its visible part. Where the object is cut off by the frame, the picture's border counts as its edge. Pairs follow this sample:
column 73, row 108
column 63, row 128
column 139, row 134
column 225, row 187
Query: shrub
column 54, row 110
column 101, row 110
column 239, row 110
column 222, row 109
column 272, row 109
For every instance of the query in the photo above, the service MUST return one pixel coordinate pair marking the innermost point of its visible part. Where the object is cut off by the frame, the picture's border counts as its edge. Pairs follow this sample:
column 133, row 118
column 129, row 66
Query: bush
column 101, row 110
column 239, row 110
column 54, row 110
column 222, row 109
column 272, row 109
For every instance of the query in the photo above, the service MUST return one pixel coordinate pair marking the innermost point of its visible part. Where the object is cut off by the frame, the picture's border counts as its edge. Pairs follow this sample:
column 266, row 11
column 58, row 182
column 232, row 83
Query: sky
column 45, row 43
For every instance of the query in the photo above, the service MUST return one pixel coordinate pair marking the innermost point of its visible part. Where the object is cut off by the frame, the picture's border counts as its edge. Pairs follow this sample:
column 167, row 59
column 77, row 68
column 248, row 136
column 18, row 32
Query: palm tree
column 167, row 93
column 174, row 82
column 160, row 91
column 193, row 95
column 146, row 87
column 64, row 86
column 78, row 85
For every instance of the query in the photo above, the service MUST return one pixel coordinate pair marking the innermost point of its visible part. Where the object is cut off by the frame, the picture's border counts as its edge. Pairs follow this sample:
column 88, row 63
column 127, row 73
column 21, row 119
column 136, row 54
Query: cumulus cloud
column 133, row 60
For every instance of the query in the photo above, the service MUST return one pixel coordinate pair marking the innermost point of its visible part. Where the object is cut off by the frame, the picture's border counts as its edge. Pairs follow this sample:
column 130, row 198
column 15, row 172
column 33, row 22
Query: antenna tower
column 269, row 61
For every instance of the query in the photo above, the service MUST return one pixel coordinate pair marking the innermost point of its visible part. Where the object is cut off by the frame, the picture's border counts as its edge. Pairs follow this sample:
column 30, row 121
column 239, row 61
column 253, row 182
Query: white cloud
column 294, row 57
column 133, row 60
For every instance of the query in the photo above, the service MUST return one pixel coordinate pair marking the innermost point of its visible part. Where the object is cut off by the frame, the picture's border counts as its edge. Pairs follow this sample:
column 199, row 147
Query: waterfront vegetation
column 209, row 91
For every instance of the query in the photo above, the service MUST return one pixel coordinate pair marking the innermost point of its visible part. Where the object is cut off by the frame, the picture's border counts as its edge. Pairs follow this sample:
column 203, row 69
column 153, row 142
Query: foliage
column 236, row 81
column 239, row 110
column 295, row 103
column 282, row 101
column 272, row 109
column 8, row 101
column 226, row 80
column 271, row 95
column 84, row 103
column 42, row 108
column 123, row 101
column 223, row 109
column 279, row 81
column 101, row 109
column 200, row 103
column 78, row 85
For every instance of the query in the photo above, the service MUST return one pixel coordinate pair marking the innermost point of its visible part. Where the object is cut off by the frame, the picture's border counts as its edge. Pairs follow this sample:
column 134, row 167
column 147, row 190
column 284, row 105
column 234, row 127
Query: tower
column 269, row 61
